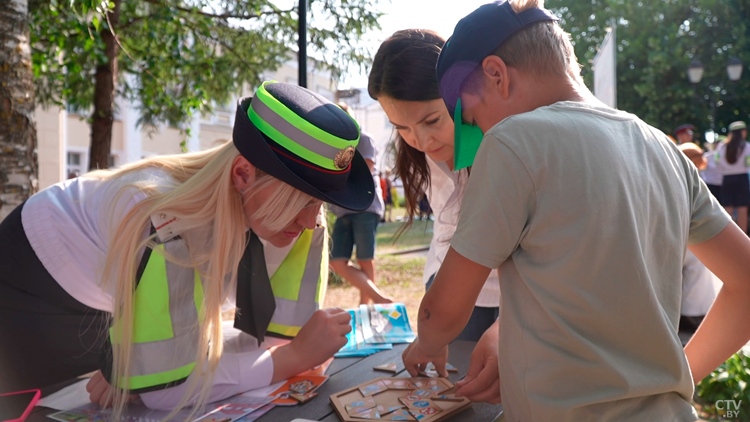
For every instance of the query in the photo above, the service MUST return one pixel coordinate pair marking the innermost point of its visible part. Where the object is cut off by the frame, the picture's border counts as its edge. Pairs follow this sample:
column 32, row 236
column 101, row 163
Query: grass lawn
column 419, row 234
column 398, row 276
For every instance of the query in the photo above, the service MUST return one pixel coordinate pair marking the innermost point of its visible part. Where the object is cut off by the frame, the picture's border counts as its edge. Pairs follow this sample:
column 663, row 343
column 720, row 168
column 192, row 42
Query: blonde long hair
column 204, row 199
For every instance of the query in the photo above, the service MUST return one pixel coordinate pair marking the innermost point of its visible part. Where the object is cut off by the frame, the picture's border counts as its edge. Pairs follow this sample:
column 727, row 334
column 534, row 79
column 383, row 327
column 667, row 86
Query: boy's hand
column 482, row 381
column 416, row 359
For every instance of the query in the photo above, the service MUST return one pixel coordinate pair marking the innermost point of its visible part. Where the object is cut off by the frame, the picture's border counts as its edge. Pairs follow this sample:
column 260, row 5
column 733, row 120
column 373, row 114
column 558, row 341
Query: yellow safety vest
column 299, row 284
column 166, row 318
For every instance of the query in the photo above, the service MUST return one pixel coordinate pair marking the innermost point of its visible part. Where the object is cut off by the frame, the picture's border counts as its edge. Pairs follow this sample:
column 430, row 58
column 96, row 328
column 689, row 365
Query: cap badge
column 343, row 158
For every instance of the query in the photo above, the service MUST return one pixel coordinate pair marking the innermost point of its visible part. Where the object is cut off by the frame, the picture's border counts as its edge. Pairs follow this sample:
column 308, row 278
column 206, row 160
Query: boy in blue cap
column 587, row 211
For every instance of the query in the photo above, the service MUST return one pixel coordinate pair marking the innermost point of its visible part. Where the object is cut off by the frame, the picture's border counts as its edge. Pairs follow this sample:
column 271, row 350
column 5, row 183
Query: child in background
column 733, row 161
column 587, row 211
column 699, row 285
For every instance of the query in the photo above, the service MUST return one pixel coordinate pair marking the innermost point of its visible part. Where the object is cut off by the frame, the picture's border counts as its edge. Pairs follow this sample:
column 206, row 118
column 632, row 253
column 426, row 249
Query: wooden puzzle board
column 418, row 399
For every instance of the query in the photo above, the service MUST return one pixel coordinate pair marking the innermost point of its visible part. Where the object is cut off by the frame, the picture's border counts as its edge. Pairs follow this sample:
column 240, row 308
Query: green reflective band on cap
column 296, row 134
column 467, row 140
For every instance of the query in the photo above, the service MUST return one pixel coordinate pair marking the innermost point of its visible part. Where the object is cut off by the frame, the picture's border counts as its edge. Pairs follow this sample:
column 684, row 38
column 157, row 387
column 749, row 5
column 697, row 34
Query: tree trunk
column 104, row 97
column 18, row 163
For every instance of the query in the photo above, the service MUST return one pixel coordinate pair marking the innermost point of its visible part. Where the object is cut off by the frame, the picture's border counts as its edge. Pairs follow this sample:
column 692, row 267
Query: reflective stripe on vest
column 166, row 319
column 300, row 283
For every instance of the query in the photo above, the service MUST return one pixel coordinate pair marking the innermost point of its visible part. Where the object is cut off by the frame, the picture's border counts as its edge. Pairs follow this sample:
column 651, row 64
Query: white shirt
column 445, row 193
column 68, row 226
column 738, row 167
column 699, row 287
column 711, row 174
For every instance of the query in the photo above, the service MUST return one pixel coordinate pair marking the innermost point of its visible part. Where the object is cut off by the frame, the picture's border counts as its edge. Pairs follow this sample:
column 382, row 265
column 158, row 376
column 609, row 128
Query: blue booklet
column 386, row 323
column 355, row 344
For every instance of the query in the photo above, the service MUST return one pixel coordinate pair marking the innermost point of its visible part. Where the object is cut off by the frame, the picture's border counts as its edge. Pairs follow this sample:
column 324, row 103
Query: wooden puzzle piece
column 425, row 383
column 302, row 387
column 384, row 410
column 303, row 398
column 417, row 402
column 447, row 397
column 372, row 389
column 368, row 414
column 400, row 415
column 429, row 373
column 422, row 393
column 422, row 413
column 399, row 384
column 388, row 367
column 360, row 406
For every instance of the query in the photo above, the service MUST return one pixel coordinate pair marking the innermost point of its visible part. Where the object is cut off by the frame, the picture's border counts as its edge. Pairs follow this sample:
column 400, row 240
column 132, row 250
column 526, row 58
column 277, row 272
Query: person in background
column 586, row 211
column 383, row 188
column 699, row 285
column 388, row 195
column 403, row 81
column 684, row 133
column 733, row 162
column 711, row 174
column 359, row 229
column 425, row 211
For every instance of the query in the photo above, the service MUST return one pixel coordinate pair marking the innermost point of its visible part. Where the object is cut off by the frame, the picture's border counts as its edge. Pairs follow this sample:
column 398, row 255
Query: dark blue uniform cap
column 475, row 37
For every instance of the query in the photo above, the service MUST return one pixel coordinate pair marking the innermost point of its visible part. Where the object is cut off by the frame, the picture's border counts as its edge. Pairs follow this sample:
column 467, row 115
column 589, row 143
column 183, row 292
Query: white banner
column 605, row 70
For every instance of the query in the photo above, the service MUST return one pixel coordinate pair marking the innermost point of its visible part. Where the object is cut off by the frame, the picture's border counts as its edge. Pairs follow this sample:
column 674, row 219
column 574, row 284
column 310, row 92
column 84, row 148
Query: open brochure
column 229, row 410
column 386, row 323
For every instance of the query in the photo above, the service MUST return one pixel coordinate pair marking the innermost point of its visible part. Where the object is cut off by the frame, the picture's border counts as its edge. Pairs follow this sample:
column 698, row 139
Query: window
column 76, row 164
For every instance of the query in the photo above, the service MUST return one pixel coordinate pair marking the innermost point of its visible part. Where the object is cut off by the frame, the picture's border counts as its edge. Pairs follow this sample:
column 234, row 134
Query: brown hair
column 735, row 145
column 404, row 69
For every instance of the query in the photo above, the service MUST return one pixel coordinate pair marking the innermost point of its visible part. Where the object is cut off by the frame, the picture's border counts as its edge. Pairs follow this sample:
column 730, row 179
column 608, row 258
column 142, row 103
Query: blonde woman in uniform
column 139, row 262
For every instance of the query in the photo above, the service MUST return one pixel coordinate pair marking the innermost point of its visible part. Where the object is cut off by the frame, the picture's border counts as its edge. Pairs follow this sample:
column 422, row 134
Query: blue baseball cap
column 475, row 37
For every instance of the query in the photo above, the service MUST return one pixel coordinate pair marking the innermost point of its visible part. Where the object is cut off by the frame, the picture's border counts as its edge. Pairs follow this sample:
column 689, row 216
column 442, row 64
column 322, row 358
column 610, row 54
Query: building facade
column 64, row 136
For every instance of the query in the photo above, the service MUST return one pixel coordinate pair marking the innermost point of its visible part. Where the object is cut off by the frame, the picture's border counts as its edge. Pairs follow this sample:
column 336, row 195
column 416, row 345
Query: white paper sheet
column 69, row 397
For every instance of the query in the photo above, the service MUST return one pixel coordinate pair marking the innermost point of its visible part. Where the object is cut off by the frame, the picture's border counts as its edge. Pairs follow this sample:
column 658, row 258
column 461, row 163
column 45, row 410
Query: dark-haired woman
column 403, row 80
column 734, row 161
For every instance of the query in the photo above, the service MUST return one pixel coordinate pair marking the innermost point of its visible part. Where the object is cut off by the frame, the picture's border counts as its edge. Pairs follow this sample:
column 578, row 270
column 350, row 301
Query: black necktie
column 255, row 302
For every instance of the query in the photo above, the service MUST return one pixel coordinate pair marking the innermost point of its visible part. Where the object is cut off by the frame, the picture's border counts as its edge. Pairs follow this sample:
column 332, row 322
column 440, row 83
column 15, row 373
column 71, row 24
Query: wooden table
column 346, row 373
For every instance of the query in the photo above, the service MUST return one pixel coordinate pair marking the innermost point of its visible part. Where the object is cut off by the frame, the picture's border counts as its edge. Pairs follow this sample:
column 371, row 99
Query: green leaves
column 178, row 56
column 656, row 42
column 728, row 382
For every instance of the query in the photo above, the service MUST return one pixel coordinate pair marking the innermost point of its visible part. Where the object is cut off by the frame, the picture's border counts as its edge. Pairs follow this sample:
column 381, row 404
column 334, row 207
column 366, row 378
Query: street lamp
column 695, row 74
column 695, row 71
column 734, row 70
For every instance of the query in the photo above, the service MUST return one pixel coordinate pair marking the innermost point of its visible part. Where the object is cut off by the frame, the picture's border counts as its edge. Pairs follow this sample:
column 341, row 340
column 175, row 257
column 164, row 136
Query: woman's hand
column 101, row 392
column 322, row 336
column 482, row 381
column 416, row 359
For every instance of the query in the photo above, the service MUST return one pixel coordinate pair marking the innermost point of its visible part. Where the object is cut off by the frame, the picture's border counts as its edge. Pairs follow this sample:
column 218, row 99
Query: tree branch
column 221, row 43
column 223, row 15
column 134, row 21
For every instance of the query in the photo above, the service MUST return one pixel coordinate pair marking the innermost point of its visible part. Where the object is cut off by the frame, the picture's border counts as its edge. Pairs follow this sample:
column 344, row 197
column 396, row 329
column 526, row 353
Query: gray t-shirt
column 588, row 212
column 369, row 151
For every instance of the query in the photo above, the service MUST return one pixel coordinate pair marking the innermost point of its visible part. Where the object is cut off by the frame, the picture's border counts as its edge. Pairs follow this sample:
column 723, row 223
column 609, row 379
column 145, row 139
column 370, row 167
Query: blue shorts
column 355, row 229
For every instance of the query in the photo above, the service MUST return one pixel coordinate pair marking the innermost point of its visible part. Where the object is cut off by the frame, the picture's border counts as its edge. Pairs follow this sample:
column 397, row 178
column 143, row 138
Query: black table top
column 345, row 373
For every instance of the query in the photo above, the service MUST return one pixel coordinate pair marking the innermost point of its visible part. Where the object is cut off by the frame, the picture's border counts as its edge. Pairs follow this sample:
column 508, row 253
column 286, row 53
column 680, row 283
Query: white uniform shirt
column 68, row 226
column 711, row 174
column 699, row 287
column 738, row 167
column 445, row 194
